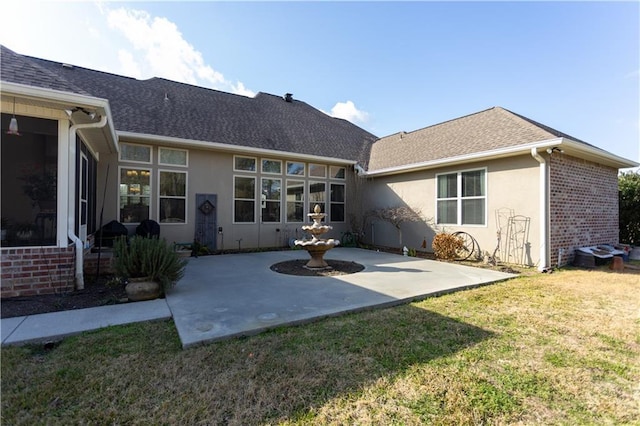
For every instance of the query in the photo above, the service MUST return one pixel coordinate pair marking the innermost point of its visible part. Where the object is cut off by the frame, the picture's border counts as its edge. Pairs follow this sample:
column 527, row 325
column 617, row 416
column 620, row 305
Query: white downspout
column 71, row 196
column 544, row 221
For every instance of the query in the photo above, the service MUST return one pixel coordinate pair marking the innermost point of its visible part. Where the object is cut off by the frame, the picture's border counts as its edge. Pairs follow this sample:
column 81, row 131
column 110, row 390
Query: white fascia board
column 467, row 158
column 217, row 146
column 64, row 100
column 595, row 154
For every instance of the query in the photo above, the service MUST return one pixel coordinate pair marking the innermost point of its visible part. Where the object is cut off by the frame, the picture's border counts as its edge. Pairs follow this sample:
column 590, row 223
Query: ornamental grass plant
column 154, row 258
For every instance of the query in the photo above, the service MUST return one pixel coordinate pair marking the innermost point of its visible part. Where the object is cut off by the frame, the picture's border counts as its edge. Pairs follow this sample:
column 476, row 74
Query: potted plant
column 41, row 188
column 150, row 266
column 23, row 231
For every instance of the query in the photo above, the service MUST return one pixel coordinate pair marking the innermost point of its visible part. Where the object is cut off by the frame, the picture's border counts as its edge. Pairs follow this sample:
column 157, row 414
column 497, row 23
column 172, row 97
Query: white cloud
column 157, row 48
column 349, row 111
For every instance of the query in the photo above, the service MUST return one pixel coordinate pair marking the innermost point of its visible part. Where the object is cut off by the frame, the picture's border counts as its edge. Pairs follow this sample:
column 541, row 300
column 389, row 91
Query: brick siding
column 37, row 270
column 583, row 206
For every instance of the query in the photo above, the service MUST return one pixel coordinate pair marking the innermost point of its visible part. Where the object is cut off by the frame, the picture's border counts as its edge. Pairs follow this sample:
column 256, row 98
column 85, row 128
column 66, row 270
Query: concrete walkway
column 235, row 295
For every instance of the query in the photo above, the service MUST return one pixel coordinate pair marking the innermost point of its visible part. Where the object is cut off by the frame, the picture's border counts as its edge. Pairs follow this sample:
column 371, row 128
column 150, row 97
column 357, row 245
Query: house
column 235, row 172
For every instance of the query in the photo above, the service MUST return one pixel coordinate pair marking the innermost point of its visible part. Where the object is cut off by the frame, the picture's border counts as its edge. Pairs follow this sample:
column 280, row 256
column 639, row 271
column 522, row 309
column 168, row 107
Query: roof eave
column 571, row 147
column 57, row 99
column 224, row 147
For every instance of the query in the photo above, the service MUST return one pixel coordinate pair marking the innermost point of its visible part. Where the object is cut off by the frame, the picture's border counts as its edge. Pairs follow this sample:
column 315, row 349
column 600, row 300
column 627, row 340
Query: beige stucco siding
column 512, row 184
column 212, row 172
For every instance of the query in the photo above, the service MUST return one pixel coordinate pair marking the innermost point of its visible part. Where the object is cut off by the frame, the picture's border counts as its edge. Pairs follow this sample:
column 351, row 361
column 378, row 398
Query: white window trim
column 326, row 191
column 150, row 190
column 459, row 198
column 344, row 202
column 255, row 159
column 233, row 197
column 171, row 164
column 134, row 161
column 270, row 200
column 304, row 169
column 324, row 168
column 286, row 202
column 176, row 197
column 262, row 166
column 342, row 179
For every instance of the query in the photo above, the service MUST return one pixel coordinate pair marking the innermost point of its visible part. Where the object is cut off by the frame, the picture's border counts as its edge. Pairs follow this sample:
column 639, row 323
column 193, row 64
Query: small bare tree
column 397, row 216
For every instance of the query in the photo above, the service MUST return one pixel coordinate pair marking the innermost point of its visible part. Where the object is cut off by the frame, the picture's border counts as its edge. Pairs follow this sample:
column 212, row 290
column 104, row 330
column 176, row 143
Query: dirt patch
column 96, row 293
column 336, row 267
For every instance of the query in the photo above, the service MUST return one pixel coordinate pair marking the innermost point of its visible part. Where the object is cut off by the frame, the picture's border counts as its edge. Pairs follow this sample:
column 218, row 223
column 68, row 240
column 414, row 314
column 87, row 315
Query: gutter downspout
column 544, row 216
column 71, row 221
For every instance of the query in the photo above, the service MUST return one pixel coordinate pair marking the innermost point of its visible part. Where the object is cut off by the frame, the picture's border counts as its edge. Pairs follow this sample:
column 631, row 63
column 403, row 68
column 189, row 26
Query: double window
column 135, row 184
column 461, row 198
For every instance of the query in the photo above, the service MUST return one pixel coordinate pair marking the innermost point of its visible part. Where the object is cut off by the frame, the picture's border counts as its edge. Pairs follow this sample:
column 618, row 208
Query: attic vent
column 288, row 97
column 67, row 66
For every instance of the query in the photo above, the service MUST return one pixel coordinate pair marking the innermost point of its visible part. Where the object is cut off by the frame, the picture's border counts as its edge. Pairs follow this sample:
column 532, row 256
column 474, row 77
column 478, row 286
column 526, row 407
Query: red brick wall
column 37, row 270
column 583, row 205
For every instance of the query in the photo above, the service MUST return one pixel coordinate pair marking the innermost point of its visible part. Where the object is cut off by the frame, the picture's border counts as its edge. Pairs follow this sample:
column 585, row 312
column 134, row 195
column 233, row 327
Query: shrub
column 446, row 246
column 148, row 257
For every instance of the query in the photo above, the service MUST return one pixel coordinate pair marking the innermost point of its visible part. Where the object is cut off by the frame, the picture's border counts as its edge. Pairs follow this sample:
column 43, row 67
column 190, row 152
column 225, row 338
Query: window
column 295, row 201
column 336, row 172
column 244, row 199
column 172, row 157
column 337, row 202
column 461, row 198
column 135, row 153
column 317, row 170
column 135, row 194
column 317, row 195
column 271, row 197
column 272, row 166
column 244, row 164
column 172, row 194
column 295, row 168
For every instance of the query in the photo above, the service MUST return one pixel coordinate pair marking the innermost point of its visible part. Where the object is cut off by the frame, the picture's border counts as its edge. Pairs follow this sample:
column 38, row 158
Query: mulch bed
column 336, row 267
column 96, row 293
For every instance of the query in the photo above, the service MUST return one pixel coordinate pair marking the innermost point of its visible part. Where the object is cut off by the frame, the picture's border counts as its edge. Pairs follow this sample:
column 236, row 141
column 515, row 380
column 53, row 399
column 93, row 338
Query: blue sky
column 386, row 66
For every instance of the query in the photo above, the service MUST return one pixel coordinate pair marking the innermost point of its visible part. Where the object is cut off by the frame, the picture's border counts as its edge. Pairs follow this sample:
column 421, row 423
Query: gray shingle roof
column 166, row 108
column 486, row 130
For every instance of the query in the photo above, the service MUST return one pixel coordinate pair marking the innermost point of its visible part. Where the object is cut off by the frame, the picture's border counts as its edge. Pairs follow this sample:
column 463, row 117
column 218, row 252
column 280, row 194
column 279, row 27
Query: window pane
column 295, row 211
column 173, row 184
column 337, row 193
column 337, row 212
column 473, row 212
column 135, row 153
column 177, row 157
column 448, row 212
column 245, row 187
column 244, row 211
column 272, row 166
column 317, row 170
column 294, row 168
column 271, row 211
column 271, row 189
column 317, row 195
column 336, row 172
column 134, row 209
column 473, row 183
column 448, row 186
column 245, row 163
column 172, row 210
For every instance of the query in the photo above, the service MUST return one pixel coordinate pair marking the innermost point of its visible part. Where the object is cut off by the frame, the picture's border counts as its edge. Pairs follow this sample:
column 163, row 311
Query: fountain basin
column 316, row 250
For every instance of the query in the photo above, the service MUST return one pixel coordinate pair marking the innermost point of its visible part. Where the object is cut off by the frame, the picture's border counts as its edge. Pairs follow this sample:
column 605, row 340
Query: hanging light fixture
column 13, row 124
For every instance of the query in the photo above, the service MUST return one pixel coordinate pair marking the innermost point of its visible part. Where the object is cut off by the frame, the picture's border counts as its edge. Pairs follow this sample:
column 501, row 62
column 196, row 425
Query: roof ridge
column 437, row 124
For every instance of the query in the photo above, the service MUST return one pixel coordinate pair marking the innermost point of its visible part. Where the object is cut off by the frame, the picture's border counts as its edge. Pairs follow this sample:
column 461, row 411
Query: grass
column 557, row 348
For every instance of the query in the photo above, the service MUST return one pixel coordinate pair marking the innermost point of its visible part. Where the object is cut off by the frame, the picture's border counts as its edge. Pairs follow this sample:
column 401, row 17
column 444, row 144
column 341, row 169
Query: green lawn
column 559, row 348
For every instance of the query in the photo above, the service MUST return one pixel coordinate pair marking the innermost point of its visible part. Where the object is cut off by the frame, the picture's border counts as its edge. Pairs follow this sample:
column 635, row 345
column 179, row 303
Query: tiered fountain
column 317, row 247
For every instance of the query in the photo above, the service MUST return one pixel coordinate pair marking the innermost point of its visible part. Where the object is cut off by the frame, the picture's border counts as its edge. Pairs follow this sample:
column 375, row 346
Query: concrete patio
column 225, row 296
